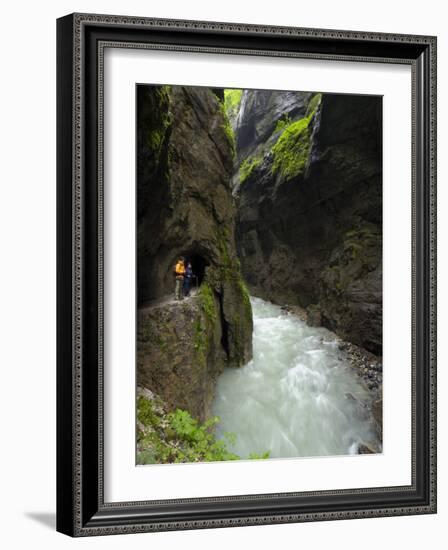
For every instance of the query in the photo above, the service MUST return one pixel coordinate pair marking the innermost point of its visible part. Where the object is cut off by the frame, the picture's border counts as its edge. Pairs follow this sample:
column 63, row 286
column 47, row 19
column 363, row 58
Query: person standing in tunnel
column 188, row 279
column 179, row 272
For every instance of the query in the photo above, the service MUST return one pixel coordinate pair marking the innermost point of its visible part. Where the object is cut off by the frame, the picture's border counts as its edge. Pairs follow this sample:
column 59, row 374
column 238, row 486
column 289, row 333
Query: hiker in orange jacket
column 179, row 272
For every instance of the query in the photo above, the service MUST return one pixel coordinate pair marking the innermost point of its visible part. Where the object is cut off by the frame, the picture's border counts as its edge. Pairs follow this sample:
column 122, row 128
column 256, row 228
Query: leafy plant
column 177, row 437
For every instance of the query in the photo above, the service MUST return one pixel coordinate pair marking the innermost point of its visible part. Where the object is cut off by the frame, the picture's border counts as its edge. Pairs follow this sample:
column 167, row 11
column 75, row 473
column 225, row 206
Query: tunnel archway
column 198, row 265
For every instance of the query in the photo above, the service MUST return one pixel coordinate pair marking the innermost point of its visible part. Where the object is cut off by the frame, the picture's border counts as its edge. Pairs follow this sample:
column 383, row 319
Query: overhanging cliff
column 185, row 207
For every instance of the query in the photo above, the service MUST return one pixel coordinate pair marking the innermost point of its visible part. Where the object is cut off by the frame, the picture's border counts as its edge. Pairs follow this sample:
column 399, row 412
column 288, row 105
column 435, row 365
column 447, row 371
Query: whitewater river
column 297, row 397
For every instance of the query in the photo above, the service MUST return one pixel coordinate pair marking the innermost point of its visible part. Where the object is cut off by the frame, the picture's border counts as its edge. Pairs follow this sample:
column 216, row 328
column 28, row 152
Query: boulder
column 179, row 353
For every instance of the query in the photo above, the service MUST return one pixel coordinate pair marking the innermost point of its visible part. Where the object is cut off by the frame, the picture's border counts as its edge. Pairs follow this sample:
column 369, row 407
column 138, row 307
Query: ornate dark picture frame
column 81, row 509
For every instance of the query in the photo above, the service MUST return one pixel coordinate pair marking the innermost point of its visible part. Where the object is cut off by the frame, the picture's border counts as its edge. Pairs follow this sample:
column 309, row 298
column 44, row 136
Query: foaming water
column 297, row 397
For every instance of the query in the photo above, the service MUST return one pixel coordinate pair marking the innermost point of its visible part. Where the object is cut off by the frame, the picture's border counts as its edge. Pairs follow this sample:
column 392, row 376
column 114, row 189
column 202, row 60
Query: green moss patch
column 232, row 100
column 248, row 166
column 282, row 123
column 207, row 300
column 145, row 412
column 292, row 149
column 228, row 130
column 160, row 120
column 200, row 337
column 313, row 104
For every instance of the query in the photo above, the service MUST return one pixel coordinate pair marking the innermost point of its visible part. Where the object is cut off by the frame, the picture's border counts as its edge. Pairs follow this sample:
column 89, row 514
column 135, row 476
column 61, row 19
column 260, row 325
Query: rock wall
column 309, row 193
column 185, row 158
column 179, row 353
column 260, row 111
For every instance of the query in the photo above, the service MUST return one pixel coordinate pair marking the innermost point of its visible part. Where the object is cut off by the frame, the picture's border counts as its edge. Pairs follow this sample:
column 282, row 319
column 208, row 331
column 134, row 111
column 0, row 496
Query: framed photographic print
column 246, row 274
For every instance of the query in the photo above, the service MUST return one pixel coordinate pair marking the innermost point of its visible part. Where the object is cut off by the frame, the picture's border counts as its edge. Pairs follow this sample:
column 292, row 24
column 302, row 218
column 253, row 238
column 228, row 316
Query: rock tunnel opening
column 198, row 265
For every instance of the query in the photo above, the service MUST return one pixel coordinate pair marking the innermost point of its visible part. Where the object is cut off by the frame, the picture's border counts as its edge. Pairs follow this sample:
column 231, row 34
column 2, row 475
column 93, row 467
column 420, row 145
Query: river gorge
column 274, row 198
column 298, row 396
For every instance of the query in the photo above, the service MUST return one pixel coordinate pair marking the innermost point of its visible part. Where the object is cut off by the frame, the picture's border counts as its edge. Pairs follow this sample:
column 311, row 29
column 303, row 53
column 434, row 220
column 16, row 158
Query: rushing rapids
column 297, row 397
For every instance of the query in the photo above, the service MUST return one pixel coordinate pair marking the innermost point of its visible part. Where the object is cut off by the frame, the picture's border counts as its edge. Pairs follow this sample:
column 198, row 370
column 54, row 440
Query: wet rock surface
column 259, row 113
column 369, row 368
column 179, row 354
column 311, row 235
column 185, row 207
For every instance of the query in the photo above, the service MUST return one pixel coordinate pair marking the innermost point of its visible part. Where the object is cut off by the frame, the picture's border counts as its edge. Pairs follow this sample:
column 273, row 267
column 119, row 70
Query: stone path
column 168, row 300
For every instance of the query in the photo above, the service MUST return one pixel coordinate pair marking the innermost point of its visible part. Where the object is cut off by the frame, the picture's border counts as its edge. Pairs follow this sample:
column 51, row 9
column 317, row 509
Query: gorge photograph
column 259, row 274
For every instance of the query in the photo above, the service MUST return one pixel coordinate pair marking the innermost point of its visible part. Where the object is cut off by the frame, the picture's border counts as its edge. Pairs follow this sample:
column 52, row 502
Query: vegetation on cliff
column 230, row 289
column 309, row 223
column 176, row 437
column 232, row 100
column 179, row 351
column 208, row 303
column 160, row 120
column 288, row 184
column 204, row 324
column 291, row 151
column 228, row 130
column 313, row 104
column 282, row 123
column 186, row 208
column 248, row 166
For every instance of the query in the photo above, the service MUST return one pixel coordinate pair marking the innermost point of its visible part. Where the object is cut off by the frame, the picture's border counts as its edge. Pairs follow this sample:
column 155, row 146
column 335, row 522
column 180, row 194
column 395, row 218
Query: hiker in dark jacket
column 188, row 279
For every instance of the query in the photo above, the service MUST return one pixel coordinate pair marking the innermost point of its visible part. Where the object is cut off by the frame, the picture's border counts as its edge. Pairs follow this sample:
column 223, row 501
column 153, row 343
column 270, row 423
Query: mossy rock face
column 259, row 113
column 153, row 135
column 232, row 101
column 179, row 352
column 187, row 209
column 234, row 304
column 292, row 150
column 351, row 291
column 248, row 166
column 313, row 104
column 228, row 129
column 237, row 317
column 310, row 213
column 182, row 347
column 184, row 185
